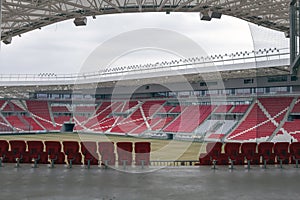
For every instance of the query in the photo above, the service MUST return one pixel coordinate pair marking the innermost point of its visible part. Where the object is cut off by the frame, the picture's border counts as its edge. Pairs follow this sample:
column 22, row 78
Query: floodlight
column 287, row 34
column 80, row 21
column 204, row 16
column 215, row 15
column 7, row 40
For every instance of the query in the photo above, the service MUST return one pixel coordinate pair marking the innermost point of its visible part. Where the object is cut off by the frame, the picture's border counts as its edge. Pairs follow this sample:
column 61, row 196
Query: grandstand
column 257, row 108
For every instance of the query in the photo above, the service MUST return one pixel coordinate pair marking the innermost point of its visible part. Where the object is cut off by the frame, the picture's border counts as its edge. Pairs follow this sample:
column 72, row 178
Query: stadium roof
column 21, row 16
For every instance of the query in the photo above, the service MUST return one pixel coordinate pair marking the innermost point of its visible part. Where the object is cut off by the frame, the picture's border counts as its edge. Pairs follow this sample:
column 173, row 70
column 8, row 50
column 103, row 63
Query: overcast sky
column 63, row 48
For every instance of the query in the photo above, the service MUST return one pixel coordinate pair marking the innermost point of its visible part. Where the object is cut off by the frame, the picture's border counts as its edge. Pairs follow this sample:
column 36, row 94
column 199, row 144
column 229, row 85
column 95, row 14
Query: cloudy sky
column 63, row 48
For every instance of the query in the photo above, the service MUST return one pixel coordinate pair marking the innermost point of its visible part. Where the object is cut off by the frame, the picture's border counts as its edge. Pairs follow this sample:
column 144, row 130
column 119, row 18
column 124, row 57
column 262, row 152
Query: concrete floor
column 168, row 183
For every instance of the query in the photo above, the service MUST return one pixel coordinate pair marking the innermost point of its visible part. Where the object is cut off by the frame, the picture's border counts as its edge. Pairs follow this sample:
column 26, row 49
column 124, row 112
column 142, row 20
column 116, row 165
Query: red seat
column 142, row 153
column 248, row 151
column 124, row 150
column 36, row 152
column 89, row 151
column 265, row 150
column 17, row 152
column 204, row 159
column 53, row 149
column 107, row 152
column 3, row 151
column 281, row 151
column 71, row 149
column 295, row 152
column 232, row 151
column 214, row 153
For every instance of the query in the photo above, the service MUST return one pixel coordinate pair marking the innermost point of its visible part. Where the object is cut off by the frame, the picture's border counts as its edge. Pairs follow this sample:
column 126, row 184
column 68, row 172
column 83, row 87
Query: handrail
column 189, row 63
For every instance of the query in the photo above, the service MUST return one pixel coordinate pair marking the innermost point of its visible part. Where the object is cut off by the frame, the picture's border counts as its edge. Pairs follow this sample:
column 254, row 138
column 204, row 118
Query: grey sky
column 62, row 48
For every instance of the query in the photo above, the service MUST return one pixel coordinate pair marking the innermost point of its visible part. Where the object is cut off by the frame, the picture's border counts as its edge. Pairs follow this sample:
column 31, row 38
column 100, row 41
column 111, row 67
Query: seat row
column 251, row 153
column 72, row 152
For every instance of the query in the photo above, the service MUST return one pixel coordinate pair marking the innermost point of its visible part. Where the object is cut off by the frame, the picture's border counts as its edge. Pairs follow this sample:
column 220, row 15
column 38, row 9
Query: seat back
column 3, row 147
column 124, row 147
column 248, row 150
column 214, row 149
column 70, row 147
column 142, row 153
column 281, row 149
column 124, row 150
column 107, row 151
column 265, row 149
column 142, row 147
column 53, row 147
column 106, row 147
column 88, row 148
column 232, row 149
column 18, row 147
column 295, row 150
column 35, row 148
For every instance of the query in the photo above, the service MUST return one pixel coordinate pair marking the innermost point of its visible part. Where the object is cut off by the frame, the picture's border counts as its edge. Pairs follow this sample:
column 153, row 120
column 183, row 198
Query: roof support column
column 0, row 18
column 294, row 32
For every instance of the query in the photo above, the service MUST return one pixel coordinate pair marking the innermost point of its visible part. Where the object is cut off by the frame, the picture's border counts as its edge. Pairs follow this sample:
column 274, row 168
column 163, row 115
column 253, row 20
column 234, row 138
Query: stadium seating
column 3, row 151
column 255, row 125
column 223, row 108
column 189, row 119
column 124, row 150
column 16, row 122
column 71, row 149
column 41, row 110
column 295, row 152
column 36, row 152
column 240, row 109
column 53, row 149
column 281, row 151
column 250, row 154
column 232, row 151
column 60, row 109
column 276, row 105
column 11, row 107
column 89, row 151
column 33, row 125
column 142, row 153
column 265, row 150
column 17, row 153
column 159, row 123
column 214, row 154
column 107, row 152
column 153, row 116
column 4, row 127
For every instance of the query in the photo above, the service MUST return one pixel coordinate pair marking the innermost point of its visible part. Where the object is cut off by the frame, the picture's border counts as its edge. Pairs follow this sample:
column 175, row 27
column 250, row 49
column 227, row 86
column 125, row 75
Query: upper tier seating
column 255, row 125
column 240, row 109
column 276, row 105
column 41, row 110
column 223, row 108
column 189, row 119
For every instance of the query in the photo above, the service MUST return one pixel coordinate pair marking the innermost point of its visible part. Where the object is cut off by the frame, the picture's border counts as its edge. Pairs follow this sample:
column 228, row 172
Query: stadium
column 194, row 125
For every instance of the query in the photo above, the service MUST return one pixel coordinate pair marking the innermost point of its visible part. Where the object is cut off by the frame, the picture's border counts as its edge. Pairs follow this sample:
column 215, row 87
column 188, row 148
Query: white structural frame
column 21, row 16
column 217, row 63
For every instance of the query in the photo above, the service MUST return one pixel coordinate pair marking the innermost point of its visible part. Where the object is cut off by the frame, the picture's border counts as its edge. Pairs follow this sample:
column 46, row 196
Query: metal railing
column 182, row 64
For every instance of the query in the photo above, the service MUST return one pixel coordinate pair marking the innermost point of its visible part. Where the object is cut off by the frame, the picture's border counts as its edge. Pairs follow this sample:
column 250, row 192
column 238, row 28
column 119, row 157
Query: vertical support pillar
column 0, row 18
column 292, row 33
